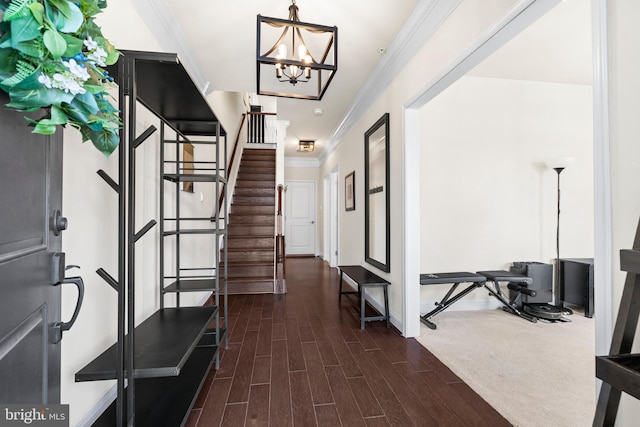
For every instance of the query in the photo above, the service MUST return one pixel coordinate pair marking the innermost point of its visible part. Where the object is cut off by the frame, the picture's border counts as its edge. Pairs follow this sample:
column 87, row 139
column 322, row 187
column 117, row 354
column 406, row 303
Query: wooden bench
column 364, row 279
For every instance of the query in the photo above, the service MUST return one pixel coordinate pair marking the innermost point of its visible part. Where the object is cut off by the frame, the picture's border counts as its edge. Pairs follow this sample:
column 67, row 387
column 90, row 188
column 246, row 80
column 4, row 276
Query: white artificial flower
column 77, row 70
column 74, row 87
column 90, row 43
column 98, row 56
column 45, row 80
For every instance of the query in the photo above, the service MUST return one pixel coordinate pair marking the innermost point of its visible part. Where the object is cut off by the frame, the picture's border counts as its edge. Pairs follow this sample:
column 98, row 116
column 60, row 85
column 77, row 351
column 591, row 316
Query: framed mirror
column 376, row 201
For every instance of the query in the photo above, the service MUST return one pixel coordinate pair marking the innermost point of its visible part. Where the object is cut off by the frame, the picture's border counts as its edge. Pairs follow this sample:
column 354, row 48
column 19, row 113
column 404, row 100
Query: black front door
column 30, row 261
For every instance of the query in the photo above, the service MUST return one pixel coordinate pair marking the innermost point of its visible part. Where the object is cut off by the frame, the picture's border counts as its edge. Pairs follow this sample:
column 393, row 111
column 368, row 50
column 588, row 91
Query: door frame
column 521, row 16
column 330, row 218
column 315, row 224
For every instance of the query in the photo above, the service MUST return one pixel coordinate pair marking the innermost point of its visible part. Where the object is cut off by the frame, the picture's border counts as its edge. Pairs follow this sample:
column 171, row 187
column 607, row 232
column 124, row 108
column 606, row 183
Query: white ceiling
column 220, row 38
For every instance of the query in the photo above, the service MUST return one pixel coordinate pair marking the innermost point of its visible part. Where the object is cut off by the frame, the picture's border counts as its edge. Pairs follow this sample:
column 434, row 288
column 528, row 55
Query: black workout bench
column 364, row 279
column 517, row 282
column 455, row 279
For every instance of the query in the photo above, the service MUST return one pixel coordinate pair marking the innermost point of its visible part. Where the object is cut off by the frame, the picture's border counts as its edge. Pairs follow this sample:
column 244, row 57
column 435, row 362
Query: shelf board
column 194, row 177
column 163, row 343
column 181, row 103
column 219, row 231
column 167, row 401
column 192, row 285
column 622, row 372
column 630, row 261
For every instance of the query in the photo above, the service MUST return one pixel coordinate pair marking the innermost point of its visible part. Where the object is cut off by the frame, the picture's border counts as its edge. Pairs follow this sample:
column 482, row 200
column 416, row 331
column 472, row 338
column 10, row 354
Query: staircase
column 251, row 228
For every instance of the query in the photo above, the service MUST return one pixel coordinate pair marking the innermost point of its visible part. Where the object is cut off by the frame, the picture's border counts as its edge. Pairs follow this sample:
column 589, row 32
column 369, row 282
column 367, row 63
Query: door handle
column 312, row 222
column 60, row 327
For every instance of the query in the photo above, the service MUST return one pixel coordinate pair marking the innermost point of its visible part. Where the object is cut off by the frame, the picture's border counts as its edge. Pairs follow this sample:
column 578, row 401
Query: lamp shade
column 560, row 162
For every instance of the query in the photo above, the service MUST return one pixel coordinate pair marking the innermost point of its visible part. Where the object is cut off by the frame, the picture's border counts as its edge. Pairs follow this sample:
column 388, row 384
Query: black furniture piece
column 455, row 279
column 576, row 283
column 516, row 282
column 542, row 281
column 620, row 370
column 167, row 357
column 364, row 279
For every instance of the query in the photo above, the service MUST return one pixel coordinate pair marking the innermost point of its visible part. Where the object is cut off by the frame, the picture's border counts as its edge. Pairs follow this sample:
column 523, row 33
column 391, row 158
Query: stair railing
column 260, row 130
column 280, row 245
column 233, row 156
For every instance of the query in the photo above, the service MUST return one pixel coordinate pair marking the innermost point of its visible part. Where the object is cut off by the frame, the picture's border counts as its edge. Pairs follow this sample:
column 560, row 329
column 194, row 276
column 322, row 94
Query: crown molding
column 162, row 24
column 422, row 23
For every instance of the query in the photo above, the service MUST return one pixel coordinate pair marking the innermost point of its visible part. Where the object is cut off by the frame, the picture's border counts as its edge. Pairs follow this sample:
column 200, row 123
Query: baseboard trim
column 463, row 305
column 102, row 405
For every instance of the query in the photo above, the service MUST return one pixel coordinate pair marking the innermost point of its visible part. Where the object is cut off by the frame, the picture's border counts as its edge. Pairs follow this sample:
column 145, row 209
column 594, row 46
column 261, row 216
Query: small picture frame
column 187, row 166
column 350, row 192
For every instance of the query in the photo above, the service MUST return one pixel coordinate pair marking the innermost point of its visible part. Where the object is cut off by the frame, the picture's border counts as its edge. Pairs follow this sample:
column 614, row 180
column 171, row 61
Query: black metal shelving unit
column 620, row 370
column 177, row 171
column 161, row 364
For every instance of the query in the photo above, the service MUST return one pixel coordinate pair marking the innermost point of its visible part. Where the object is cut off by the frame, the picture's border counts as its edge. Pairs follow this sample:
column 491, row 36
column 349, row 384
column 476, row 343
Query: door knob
column 312, row 222
column 60, row 327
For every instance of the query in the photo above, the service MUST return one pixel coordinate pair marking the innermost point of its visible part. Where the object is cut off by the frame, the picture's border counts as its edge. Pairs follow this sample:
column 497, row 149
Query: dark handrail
column 230, row 165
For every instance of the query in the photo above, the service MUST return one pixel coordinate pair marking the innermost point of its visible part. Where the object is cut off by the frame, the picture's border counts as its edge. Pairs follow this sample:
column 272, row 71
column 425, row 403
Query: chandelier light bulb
column 302, row 52
column 282, row 51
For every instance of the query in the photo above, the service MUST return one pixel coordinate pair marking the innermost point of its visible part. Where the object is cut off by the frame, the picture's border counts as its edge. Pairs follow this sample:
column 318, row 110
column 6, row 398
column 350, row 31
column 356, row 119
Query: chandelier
column 295, row 59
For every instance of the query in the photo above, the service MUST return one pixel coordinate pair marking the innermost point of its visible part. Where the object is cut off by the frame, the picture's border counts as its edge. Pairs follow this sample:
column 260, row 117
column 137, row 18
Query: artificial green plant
column 52, row 59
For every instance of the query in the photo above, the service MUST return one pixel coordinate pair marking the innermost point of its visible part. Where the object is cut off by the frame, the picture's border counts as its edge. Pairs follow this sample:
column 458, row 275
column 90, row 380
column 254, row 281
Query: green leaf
column 74, row 45
column 8, row 60
column 45, row 127
column 63, row 6
column 74, row 20
column 29, row 48
column 53, row 16
column 55, row 43
column 24, row 29
column 105, row 141
column 31, row 93
column 87, row 102
column 37, row 10
column 58, row 117
column 17, row 9
column 76, row 114
column 23, row 70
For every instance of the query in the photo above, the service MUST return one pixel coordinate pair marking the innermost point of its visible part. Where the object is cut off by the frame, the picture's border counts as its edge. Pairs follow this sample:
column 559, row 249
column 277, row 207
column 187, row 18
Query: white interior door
column 300, row 218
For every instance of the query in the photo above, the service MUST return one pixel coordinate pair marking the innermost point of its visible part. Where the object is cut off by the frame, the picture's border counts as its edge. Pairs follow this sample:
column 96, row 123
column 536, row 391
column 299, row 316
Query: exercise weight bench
column 455, row 279
column 516, row 282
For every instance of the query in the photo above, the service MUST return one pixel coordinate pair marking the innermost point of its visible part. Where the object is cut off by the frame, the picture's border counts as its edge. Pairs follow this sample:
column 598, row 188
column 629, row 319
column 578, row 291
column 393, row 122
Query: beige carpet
column 534, row 374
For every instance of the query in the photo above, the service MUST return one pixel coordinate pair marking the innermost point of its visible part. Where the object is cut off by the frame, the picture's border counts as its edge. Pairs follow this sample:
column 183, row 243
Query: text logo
column 34, row 415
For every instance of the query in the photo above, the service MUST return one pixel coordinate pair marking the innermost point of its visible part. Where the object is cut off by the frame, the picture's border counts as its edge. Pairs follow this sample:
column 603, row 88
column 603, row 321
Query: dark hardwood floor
column 301, row 359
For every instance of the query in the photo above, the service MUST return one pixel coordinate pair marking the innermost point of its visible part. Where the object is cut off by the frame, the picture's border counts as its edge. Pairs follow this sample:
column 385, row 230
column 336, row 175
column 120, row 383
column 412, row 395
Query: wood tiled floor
column 300, row 359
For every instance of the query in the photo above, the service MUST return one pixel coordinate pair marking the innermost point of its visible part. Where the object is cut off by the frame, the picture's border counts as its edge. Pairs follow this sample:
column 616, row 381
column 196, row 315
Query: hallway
column 300, row 359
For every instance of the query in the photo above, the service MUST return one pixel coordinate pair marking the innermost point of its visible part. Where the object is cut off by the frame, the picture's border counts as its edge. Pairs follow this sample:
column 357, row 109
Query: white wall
column 487, row 197
column 464, row 25
column 624, row 90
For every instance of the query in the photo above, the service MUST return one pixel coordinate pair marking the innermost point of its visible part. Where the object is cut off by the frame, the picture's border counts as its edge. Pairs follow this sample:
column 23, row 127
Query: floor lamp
column 559, row 165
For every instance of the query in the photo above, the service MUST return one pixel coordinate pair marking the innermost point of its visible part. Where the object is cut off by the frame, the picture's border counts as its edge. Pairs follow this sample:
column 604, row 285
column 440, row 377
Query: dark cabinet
column 576, row 283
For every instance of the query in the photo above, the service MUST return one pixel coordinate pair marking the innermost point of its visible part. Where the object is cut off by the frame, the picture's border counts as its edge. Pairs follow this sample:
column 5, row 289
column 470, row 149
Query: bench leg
column 508, row 306
column 362, row 305
column 386, row 306
column 446, row 302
